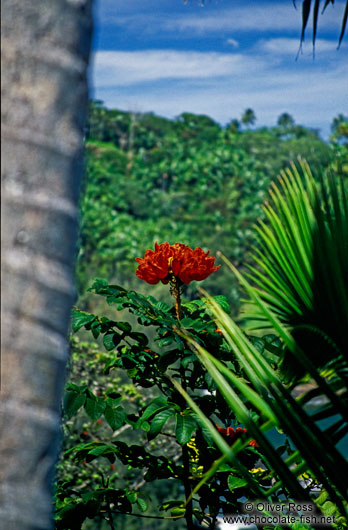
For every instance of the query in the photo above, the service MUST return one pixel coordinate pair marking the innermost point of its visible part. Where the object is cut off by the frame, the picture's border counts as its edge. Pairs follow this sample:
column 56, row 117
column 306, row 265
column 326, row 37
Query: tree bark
column 45, row 51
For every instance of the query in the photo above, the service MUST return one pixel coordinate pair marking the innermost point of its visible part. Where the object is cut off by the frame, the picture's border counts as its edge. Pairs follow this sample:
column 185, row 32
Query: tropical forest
column 208, row 363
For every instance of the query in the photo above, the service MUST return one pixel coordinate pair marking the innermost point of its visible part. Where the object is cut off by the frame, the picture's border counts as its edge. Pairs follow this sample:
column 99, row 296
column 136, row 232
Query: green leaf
column 166, row 341
column 111, row 364
column 111, row 340
column 94, row 408
column 197, row 325
column 223, row 468
column 193, row 305
column 80, row 319
column 115, row 417
column 167, row 359
column 258, row 343
column 96, row 328
column 185, row 426
column 114, row 398
column 328, row 508
column 223, row 302
column 123, row 326
column 187, row 322
column 158, row 422
column 72, row 511
column 98, row 284
column 132, row 372
column 272, row 343
column 76, row 388
column 343, row 27
column 156, row 405
column 145, row 426
column 219, row 299
column 205, row 431
column 73, row 401
column 102, row 450
column 188, row 359
column 132, row 497
column 295, row 422
column 322, row 497
column 162, row 306
column 142, row 504
column 140, row 338
column 235, row 482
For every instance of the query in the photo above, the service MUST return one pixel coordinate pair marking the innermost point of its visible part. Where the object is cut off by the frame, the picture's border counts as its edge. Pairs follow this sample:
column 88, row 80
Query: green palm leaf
column 301, row 292
column 300, row 271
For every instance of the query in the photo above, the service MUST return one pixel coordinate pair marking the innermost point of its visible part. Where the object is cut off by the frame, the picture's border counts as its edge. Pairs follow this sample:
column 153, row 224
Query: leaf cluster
column 165, row 416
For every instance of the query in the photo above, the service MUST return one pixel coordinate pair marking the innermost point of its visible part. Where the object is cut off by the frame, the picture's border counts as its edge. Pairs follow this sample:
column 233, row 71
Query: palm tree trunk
column 45, row 51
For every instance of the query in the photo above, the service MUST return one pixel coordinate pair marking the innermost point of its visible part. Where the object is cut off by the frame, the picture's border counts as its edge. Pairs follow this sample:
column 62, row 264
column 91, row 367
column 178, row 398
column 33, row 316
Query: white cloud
column 233, row 42
column 266, row 16
column 226, row 101
column 263, row 17
column 262, row 73
column 119, row 68
column 223, row 85
column 291, row 46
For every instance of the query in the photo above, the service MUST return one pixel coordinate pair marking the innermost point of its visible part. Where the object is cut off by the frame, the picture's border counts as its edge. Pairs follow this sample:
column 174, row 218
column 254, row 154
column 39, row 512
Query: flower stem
column 175, row 291
column 187, row 485
column 178, row 307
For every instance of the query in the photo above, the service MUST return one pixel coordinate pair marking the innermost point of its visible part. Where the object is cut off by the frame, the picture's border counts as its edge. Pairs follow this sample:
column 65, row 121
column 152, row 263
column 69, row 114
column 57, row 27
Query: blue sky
column 169, row 57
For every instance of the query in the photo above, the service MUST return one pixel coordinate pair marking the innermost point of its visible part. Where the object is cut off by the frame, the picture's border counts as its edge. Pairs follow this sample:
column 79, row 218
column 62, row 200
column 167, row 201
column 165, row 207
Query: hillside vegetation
column 189, row 180
column 136, row 443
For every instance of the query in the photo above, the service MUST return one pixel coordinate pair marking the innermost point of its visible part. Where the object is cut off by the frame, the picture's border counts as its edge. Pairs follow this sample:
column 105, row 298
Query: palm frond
column 301, row 292
column 306, row 9
column 300, row 269
column 316, row 451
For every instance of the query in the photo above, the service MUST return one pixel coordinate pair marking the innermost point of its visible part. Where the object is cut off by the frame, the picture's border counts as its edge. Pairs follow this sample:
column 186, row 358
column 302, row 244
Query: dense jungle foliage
column 192, row 181
column 189, row 180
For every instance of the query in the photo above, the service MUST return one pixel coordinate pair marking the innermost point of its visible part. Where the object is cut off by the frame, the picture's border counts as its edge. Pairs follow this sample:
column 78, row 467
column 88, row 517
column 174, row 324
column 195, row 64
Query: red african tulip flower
column 173, row 263
column 231, row 433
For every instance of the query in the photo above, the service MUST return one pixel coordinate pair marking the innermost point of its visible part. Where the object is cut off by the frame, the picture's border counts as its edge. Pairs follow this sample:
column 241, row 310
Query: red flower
column 175, row 262
column 231, row 433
